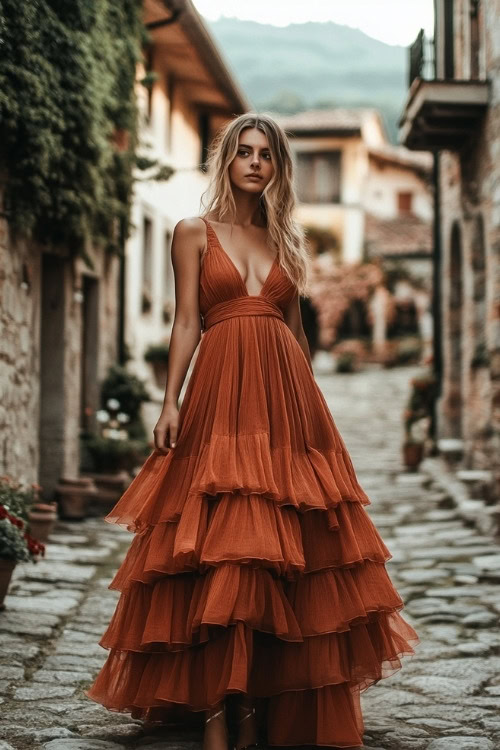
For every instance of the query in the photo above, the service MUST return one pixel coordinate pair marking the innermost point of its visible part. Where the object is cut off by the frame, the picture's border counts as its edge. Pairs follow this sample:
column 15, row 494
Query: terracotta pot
column 6, row 570
column 41, row 520
column 109, row 488
column 413, row 454
column 73, row 496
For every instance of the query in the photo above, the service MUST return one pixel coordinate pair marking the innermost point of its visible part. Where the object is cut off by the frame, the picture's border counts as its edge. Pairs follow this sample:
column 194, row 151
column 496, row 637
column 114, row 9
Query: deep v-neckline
column 233, row 266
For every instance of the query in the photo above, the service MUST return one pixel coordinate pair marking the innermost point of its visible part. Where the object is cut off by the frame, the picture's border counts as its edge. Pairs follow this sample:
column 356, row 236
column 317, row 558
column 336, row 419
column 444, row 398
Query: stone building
column 375, row 200
column 58, row 335
column 453, row 110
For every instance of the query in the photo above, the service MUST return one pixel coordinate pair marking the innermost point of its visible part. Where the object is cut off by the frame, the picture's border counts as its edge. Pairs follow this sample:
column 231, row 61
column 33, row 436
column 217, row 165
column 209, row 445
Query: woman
column 256, row 578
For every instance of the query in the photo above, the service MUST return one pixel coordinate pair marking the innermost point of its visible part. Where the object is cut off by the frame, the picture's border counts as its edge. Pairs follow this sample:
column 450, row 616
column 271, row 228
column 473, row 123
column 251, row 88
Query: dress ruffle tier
column 254, row 567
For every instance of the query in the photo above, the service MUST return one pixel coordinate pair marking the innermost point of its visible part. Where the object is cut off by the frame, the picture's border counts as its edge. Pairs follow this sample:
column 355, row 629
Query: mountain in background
column 292, row 68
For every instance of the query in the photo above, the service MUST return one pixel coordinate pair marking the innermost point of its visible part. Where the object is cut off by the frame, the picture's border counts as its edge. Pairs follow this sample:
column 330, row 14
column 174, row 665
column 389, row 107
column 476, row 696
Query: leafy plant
column 67, row 81
column 348, row 354
column 130, row 391
column 112, row 447
column 408, row 350
column 418, row 413
column 346, row 362
column 109, row 454
column 156, row 353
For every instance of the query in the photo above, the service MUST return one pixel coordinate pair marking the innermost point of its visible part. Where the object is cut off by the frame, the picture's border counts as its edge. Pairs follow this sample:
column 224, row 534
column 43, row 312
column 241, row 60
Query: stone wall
column 58, row 337
column 19, row 357
column 470, row 237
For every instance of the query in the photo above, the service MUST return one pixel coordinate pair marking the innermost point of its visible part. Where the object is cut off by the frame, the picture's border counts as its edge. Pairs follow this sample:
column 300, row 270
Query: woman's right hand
column 165, row 431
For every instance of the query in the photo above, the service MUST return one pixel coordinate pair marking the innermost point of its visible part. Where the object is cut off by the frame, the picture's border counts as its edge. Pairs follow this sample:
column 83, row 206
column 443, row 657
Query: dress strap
column 209, row 246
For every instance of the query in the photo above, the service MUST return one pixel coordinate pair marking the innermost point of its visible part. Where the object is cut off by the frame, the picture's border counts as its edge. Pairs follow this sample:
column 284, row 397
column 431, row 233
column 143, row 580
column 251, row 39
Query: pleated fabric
column 254, row 565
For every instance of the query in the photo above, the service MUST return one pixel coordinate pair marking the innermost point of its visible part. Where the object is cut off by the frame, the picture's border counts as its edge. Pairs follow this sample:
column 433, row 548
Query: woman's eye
column 246, row 153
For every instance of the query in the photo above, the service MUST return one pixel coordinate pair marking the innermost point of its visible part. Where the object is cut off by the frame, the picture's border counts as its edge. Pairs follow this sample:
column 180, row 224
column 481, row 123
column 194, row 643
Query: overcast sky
column 391, row 21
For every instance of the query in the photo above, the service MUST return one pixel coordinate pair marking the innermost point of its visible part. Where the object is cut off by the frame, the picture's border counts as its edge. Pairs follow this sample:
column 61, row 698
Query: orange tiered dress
column 255, row 566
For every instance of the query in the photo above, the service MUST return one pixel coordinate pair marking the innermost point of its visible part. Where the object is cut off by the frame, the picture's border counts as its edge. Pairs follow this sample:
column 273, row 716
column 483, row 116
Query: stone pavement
column 446, row 697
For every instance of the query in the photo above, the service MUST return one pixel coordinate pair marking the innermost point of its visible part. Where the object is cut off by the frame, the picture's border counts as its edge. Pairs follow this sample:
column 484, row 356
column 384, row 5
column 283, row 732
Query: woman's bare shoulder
column 189, row 237
column 191, row 226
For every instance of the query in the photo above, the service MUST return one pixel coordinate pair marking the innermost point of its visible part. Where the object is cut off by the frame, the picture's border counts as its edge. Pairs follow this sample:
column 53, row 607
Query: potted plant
column 413, row 446
column 348, row 354
column 157, row 356
column 130, row 393
column 417, row 419
column 114, row 455
column 118, row 444
column 16, row 543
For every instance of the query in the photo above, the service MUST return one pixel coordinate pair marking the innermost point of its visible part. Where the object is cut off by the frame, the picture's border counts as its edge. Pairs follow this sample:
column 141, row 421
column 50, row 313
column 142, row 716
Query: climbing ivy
column 67, row 72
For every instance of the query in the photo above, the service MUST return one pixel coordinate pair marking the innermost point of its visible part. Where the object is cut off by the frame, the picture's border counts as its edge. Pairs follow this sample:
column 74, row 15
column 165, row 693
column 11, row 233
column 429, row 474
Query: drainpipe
column 436, row 293
column 122, row 358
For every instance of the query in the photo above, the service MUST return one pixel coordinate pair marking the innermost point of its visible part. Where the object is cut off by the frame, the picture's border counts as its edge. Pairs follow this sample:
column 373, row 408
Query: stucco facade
column 192, row 97
column 371, row 173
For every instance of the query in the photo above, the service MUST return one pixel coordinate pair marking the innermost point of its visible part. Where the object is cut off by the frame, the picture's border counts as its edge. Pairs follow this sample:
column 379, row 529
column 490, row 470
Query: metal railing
column 421, row 58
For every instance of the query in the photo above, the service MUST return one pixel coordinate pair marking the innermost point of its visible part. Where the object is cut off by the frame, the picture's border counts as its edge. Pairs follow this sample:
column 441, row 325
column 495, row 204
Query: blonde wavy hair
column 277, row 200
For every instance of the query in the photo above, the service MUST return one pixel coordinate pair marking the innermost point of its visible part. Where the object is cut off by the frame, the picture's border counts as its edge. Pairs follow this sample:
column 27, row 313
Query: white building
column 193, row 95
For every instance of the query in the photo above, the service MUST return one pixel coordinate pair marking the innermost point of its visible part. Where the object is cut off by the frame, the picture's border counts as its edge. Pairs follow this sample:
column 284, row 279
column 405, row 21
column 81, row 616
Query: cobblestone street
column 445, row 698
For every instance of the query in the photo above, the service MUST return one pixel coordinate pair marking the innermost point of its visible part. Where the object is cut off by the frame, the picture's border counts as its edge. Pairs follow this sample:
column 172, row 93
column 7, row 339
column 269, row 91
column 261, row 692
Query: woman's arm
column 293, row 319
column 187, row 244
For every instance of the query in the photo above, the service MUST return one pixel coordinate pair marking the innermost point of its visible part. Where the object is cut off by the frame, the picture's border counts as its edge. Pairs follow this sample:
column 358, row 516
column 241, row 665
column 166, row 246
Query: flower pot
column 73, row 497
column 41, row 520
column 413, row 454
column 6, row 570
column 109, row 488
column 160, row 368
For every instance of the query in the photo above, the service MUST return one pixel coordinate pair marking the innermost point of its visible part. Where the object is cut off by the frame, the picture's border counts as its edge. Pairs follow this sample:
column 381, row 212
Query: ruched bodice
column 240, row 307
column 254, row 567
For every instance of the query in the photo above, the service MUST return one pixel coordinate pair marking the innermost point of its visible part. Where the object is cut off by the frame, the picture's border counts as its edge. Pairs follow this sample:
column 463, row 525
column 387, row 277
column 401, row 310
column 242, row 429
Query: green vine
column 67, row 73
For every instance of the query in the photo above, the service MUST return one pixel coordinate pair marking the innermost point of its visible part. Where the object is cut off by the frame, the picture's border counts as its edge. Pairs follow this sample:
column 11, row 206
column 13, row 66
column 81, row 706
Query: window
column 170, row 89
column 204, row 127
column 150, row 83
column 449, row 40
column 147, row 265
column 474, row 39
column 168, row 280
column 318, row 177
column 405, row 201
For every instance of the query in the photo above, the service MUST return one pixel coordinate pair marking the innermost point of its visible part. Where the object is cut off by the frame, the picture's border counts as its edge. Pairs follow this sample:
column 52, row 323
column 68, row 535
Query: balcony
column 439, row 113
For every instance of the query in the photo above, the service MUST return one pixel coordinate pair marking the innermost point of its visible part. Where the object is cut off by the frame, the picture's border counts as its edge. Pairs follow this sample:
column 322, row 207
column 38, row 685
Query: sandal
column 249, row 713
column 215, row 714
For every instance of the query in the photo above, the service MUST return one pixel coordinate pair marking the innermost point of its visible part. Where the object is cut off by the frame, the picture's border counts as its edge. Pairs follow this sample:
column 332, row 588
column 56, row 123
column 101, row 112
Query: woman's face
column 252, row 158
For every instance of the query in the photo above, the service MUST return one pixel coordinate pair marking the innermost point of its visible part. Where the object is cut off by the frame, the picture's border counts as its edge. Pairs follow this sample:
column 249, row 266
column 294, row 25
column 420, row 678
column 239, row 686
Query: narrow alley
column 446, row 697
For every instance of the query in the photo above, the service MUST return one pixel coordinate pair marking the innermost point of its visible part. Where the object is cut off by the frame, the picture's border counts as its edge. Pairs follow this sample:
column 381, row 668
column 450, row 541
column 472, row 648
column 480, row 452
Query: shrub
column 346, row 362
column 157, row 353
column 408, row 350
